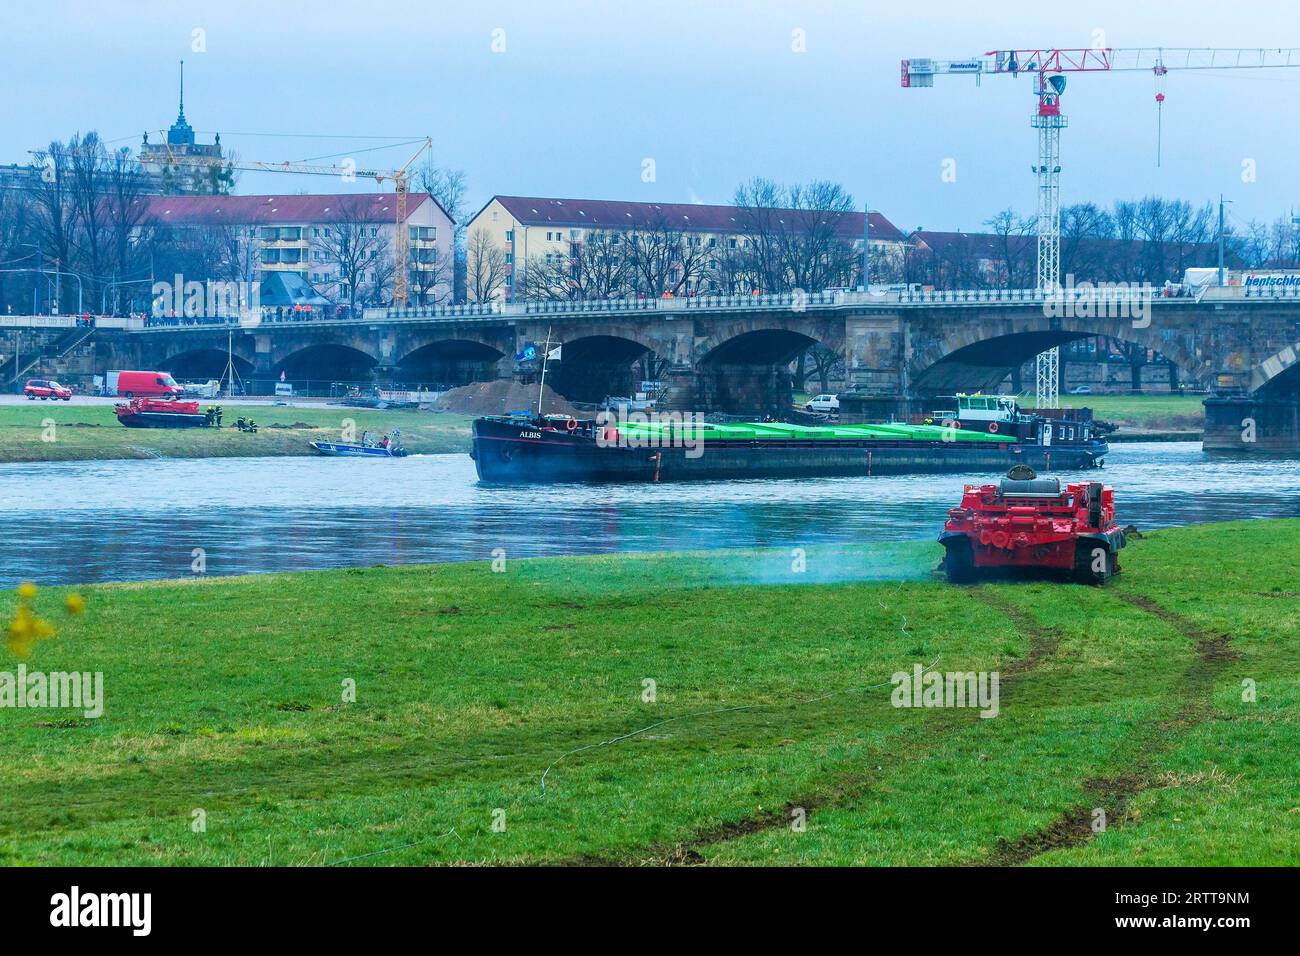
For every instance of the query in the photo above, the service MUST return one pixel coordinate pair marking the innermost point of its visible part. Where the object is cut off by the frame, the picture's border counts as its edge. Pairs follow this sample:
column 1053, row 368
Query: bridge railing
column 70, row 321
column 1117, row 293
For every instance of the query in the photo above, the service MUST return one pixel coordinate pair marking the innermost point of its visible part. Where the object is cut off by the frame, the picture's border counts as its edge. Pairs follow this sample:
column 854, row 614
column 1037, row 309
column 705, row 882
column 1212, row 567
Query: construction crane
column 1048, row 66
column 400, row 178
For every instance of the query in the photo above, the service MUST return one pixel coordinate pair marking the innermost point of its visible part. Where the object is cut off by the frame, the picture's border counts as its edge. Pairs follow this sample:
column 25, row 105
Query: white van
column 824, row 403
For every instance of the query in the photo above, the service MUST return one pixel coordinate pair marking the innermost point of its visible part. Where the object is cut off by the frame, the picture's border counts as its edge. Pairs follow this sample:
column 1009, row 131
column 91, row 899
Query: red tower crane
column 1048, row 66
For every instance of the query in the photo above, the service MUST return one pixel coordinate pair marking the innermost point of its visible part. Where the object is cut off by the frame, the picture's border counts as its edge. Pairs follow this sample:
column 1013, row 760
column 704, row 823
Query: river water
column 77, row 522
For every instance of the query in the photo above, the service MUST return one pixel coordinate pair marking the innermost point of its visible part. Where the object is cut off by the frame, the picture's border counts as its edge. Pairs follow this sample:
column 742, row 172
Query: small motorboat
column 159, row 413
column 353, row 449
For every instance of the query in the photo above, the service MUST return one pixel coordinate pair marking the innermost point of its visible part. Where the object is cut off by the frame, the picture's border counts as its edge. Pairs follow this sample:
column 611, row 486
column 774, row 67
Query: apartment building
column 343, row 244
column 533, row 230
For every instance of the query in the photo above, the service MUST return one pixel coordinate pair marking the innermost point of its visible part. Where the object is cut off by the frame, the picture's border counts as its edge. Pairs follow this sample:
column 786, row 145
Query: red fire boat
column 159, row 413
column 1028, row 522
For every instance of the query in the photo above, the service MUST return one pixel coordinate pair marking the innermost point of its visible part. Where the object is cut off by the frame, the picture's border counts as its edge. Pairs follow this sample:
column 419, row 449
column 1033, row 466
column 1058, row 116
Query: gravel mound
column 500, row 397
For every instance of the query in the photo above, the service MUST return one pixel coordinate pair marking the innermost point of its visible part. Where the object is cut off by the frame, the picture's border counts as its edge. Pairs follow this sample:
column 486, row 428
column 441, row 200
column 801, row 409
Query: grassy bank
column 93, row 432
column 226, row 696
column 1144, row 412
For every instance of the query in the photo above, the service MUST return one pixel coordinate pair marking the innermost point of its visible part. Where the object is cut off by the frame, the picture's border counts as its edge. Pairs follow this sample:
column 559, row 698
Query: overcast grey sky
column 711, row 90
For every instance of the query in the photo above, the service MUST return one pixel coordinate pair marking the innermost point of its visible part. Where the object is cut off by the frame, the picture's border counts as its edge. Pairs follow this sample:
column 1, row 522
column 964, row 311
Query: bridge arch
column 450, row 361
column 326, row 361
column 1279, row 372
column 594, row 366
column 744, row 368
column 979, row 355
column 206, row 363
column 767, row 340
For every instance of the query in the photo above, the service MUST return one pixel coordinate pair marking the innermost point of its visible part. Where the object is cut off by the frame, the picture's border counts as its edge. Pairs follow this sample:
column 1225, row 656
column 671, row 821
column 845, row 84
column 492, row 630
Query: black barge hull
column 521, row 452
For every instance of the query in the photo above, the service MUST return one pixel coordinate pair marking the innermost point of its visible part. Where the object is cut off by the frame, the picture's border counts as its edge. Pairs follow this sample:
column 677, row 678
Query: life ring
column 956, row 423
column 993, row 427
column 571, row 424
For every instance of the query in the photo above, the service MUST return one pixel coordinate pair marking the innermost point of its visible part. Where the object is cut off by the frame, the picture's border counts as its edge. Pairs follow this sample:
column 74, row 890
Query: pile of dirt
column 500, row 397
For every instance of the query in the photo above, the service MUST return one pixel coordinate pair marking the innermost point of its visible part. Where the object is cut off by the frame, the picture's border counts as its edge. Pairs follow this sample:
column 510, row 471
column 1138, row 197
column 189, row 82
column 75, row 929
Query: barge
column 982, row 434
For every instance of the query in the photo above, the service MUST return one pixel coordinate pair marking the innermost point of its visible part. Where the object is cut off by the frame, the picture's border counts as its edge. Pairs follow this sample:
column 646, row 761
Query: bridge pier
column 1252, row 425
column 742, row 389
column 877, row 353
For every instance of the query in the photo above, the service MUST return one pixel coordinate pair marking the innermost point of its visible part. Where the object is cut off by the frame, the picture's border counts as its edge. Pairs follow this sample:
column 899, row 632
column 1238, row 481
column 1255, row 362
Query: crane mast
column 1048, row 66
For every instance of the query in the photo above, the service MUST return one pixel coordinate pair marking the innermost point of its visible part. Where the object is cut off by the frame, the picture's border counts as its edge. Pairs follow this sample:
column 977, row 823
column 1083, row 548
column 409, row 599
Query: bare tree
column 486, row 268
column 797, row 237
column 450, row 187
column 1017, row 258
column 361, row 251
column 601, row 266
column 759, row 253
column 55, row 218
column 815, row 251
column 825, row 362
column 15, row 233
column 1085, row 227
column 664, row 260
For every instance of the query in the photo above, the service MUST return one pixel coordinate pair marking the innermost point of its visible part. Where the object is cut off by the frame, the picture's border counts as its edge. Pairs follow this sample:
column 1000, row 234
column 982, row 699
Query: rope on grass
column 392, row 849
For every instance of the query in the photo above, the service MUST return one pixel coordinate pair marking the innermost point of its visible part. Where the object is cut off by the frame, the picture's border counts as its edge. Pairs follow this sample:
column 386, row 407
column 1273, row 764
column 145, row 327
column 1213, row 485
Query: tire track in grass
column 1114, row 794
column 848, row 788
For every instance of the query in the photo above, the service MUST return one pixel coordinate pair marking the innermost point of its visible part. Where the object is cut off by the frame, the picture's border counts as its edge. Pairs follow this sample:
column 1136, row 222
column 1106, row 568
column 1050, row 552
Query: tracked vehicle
column 1029, row 522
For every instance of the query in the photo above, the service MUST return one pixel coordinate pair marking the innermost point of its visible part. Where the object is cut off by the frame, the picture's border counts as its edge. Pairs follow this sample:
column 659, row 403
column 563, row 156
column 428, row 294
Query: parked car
column 824, row 403
column 143, row 385
column 43, row 389
column 1081, row 390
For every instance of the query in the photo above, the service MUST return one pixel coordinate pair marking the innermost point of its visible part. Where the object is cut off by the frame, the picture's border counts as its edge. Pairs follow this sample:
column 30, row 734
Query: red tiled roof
column 256, row 210
column 614, row 214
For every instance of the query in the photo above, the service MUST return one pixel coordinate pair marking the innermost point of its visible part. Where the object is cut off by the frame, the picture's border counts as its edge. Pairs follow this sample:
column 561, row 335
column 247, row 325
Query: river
column 77, row 522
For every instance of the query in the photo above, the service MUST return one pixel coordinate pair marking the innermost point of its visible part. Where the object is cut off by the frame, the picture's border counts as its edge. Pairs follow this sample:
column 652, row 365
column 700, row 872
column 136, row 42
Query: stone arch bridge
column 733, row 353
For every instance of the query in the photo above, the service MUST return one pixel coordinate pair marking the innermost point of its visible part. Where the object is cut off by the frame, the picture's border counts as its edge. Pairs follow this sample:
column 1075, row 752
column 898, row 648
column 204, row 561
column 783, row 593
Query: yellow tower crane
column 400, row 178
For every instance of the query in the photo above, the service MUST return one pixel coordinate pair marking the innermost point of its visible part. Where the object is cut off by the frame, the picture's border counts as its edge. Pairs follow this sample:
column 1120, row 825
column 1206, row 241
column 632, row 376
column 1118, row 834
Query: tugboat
column 159, row 413
column 1070, row 437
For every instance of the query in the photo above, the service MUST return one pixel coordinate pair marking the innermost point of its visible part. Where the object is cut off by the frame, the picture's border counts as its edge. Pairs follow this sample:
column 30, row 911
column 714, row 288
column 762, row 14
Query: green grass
column 225, row 695
column 1155, row 412
column 93, row 432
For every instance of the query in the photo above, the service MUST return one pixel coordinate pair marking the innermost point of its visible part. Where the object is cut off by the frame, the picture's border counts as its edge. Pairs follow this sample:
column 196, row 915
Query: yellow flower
column 27, row 590
column 21, row 625
column 75, row 604
column 25, row 630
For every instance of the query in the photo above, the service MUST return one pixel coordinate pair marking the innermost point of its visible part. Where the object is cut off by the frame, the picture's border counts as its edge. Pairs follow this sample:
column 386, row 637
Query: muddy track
column 1114, row 794
column 1043, row 643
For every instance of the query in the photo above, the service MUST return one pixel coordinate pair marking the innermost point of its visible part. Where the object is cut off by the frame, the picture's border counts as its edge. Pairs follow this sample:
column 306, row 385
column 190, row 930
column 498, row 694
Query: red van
column 143, row 385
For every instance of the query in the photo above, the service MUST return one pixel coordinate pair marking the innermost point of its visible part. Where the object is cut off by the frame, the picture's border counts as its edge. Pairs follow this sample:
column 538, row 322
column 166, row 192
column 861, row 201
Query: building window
column 510, row 233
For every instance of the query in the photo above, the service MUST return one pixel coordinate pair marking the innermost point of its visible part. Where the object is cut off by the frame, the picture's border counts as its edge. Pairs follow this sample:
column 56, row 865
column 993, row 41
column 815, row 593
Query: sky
column 671, row 101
